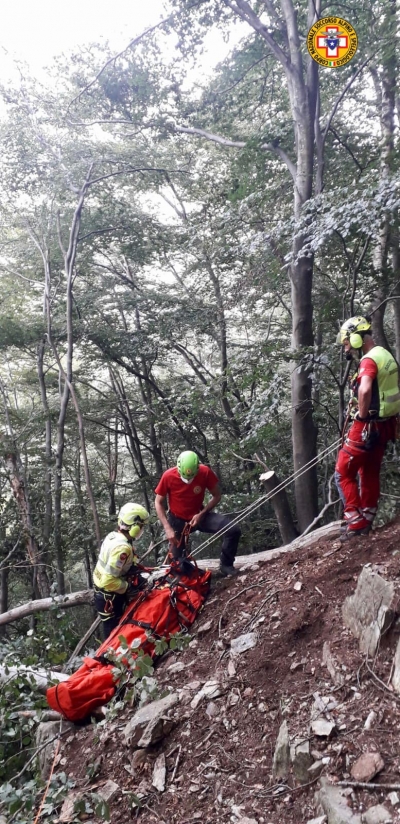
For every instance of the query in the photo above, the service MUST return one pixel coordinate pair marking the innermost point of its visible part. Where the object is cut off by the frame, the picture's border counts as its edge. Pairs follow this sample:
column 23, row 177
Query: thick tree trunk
column 304, row 433
column 19, row 487
column 48, row 505
column 281, row 507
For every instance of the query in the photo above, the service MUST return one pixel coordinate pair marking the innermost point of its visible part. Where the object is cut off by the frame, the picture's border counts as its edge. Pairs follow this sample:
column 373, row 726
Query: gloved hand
column 136, row 583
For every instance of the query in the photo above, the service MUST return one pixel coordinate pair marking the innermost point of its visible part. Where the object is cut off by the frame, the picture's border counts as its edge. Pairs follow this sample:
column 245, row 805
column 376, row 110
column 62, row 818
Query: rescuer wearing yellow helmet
column 117, row 556
column 374, row 408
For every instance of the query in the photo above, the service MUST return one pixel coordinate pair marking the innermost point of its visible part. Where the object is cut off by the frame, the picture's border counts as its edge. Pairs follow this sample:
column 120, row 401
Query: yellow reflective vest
column 388, row 381
column 115, row 560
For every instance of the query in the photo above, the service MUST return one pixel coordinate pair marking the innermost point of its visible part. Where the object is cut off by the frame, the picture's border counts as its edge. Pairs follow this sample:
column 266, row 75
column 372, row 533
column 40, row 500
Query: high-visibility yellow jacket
column 117, row 555
column 385, row 395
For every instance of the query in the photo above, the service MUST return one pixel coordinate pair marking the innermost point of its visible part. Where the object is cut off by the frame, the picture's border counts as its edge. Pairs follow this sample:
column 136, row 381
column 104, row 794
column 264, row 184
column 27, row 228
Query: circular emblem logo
column 332, row 42
column 196, row 490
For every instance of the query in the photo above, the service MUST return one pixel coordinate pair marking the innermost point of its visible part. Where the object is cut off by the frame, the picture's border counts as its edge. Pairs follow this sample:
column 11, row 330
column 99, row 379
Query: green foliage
column 19, row 802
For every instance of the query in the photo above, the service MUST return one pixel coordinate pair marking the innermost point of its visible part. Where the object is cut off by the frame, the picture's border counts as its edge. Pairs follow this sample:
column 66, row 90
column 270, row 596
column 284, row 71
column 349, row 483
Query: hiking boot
column 228, row 571
column 349, row 534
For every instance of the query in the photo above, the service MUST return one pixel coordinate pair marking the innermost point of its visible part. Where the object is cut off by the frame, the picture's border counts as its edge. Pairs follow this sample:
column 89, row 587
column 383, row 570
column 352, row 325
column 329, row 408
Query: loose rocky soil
column 219, row 755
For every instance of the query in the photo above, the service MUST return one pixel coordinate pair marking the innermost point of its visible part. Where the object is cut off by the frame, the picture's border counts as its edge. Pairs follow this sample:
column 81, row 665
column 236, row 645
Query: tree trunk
column 4, row 573
column 48, row 505
column 281, row 507
column 21, row 495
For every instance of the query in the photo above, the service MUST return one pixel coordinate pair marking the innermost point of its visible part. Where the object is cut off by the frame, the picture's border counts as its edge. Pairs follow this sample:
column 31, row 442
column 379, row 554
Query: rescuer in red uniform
column 184, row 487
column 374, row 408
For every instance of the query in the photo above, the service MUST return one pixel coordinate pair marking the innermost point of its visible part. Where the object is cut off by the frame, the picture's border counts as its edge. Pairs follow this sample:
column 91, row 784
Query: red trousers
column 357, row 470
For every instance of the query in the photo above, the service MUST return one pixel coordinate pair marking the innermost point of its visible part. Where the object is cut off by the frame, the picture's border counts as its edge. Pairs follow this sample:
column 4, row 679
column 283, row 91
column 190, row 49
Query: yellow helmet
column 351, row 330
column 133, row 516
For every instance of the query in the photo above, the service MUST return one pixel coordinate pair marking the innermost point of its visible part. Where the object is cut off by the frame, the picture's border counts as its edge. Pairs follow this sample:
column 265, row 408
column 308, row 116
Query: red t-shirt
column 367, row 367
column 186, row 500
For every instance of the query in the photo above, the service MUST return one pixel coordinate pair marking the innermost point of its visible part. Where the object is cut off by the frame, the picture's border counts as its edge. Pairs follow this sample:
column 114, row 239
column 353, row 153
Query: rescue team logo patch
column 123, row 557
column 332, row 42
column 196, row 490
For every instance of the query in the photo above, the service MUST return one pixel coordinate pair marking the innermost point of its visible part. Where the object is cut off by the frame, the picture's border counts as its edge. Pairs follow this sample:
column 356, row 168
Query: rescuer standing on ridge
column 184, row 486
column 117, row 556
column 374, row 405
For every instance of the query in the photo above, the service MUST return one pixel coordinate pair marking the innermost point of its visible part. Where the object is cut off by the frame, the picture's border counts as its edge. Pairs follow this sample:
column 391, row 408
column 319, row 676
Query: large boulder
column 335, row 806
column 369, row 612
column 151, row 723
column 281, row 761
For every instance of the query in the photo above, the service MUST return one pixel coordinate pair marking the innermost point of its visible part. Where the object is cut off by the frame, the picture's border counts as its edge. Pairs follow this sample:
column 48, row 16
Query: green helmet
column 133, row 516
column 352, row 330
column 188, row 465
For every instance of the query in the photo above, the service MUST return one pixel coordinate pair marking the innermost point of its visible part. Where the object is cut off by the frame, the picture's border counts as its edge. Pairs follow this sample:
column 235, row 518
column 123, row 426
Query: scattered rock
column 297, row 586
column 246, row 821
column 108, row 791
column 392, row 797
column 139, row 760
column 211, row 689
column 315, row 769
column 281, row 760
column 231, row 668
column 204, row 628
column 212, row 710
column 68, row 808
column 396, row 669
column 377, row 815
column 150, row 724
column 338, row 677
column 159, row 773
column 367, row 766
column 301, row 759
column 322, row 819
column 370, row 720
column 368, row 612
column 243, row 643
column 334, row 804
column 177, row 666
column 322, row 727
column 233, row 699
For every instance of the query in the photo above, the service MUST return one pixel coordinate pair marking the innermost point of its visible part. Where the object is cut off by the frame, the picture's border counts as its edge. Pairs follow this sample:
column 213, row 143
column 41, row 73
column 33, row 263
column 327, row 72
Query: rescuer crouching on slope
column 374, row 407
column 117, row 556
column 184, row 486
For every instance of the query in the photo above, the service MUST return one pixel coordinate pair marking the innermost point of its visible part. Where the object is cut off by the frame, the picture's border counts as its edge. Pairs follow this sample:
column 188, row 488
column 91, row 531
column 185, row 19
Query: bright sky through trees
column 37, row 31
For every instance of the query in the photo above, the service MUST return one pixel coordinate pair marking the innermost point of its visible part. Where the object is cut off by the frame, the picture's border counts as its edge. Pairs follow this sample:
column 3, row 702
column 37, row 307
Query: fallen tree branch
column 74, row 599
column 364, row 785
column 329, row 531
column 42, row 678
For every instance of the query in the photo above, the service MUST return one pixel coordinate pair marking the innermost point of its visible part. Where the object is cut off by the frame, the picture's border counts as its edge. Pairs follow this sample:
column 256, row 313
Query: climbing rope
column 48, row 783
column 267, row 497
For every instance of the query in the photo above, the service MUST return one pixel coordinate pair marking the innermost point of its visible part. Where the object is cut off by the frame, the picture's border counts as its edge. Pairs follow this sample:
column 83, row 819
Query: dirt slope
column 219, row 755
